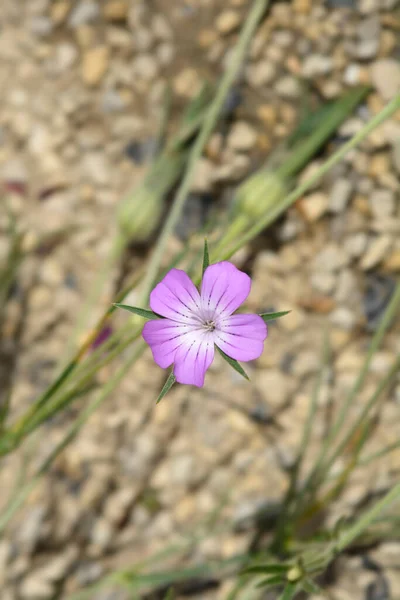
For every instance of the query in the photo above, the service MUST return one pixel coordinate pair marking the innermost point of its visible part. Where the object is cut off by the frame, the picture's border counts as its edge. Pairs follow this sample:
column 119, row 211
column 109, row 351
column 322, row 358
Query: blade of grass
column 272, row 316
column 387, row 318
column 206, row 256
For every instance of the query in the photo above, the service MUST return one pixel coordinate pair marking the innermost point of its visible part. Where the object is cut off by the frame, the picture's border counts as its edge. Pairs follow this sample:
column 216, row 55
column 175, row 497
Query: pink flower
column 194, row 322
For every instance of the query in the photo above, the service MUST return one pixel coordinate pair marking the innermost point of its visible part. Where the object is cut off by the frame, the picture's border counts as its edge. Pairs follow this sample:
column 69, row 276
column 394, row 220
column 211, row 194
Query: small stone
column 314, row 206
column 344, row 318
column 316, row 65
column 94, row 65
column 355, row 74
column 203, row 176
column 368, row 32
column 207, row 38
column 41, row 26
column 385, row 76
column 354, row 245
column 331, row 258
column 116, row 11
column 59, row 11
column 34, row 588
column 382, row 203
column 376, row 252
column 340, row 195
column 288, row 87
column 262, row 73
column 187, row 83
column 161, row 28
column 392, row 263
column 145, row 67
column 302, row 7
column 275, row 387
column 242, row 137
column 85, row 12
column 228, row 21
column 323, row 282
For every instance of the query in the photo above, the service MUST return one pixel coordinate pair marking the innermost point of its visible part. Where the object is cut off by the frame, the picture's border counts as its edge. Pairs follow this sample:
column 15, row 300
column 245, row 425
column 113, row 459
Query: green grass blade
column 234, row 364
column 206, row 256
column 142, row 312
column 166, row 387
column 272, row 316
column 271, row 581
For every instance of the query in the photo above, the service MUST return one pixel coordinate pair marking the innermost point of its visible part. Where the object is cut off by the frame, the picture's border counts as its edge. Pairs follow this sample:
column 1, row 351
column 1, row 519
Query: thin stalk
column 364, row 413
column 375, row 455
column 276, row 211
column 368, row 518
column 337, row 426
column 258, row 9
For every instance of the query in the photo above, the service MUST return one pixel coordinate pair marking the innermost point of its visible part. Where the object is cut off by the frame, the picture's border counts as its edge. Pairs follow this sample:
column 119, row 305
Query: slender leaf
column 289, row 592
column 206, row 256
column 167, row 386
column 234, row 364
column 265, row 569
column 272, row 316
column 271, row 581
column 142, row 312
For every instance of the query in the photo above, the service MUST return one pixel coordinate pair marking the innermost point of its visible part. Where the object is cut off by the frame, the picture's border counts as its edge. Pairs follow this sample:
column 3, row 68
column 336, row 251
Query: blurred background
column 100, row 104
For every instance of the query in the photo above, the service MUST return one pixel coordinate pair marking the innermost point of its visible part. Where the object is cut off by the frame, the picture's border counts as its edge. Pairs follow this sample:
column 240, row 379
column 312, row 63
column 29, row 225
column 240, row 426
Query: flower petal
column 193, row 359
column 164, row 338
column 241, row 336
column 223, row 290
column 176, row 297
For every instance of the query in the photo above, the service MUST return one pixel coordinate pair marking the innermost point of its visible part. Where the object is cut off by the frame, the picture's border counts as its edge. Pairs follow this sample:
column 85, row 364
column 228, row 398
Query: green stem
column 368, row 518
column 210, row 119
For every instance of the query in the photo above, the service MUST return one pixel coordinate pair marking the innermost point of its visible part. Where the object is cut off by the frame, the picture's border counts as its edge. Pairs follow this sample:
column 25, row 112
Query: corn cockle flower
column 194, row 322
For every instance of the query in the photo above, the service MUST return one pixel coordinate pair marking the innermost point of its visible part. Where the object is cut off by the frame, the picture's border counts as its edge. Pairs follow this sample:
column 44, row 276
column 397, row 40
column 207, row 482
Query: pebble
column 316, row 65
column 228, row 21
column 94, row 65
column 344, row 318
column 376, row 252
column 116, row 11
column 382, row 203
column 288, row 87
column 354, row 245
column 187, row 83
column 85, row 12
column 34, row 588
column 145, row 67
column 242, row 137
column 368, row 32
column 323, row 282
column 385, row 76
column 314, row 206
column 261, row 73
column 340, row 195
column 275, row 387
column 331, row 258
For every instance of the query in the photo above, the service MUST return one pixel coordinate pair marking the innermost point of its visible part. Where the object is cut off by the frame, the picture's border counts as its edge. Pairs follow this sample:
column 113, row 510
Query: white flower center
column 209, row 325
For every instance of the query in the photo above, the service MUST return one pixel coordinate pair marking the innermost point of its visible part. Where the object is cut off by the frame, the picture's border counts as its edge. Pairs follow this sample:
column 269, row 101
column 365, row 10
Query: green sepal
column 271, row 316
column 266, row 569
column 234, row 364
column 206, row 256
column 142, row 312
column 166, row 387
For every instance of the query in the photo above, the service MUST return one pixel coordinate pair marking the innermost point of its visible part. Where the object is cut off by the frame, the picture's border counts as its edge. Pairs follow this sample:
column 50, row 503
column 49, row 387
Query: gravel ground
column 82, row 89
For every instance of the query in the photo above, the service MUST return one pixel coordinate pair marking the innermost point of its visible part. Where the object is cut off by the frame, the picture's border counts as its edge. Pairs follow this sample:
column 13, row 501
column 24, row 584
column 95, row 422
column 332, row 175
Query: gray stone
column 242, row 137
column 376, row 252
column 382, row 203
column 86, row 11
column 340, row 195
column 385, row 75
column 316, row 65
column 288, row 87
column 354, row 245
column 331, row 258
column 368, row 32
column 261, row 73
column 323, row 282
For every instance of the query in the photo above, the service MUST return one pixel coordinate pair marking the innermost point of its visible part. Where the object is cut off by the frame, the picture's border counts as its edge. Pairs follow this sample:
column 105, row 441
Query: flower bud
column 258, row 194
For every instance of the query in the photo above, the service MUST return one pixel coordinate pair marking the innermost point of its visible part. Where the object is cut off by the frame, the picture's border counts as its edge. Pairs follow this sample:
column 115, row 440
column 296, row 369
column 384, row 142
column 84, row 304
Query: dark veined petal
column 164, row 338
column 193, row 359
column 241, row 336
column 176, row 297
column 224, row 288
